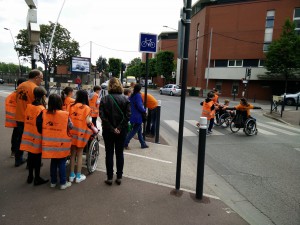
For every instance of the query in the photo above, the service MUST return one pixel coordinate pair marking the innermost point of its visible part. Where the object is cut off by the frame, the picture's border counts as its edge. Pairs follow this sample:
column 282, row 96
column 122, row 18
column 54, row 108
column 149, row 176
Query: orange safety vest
column 68, row 101
column 206, row 110
column 10, row 110
column 56, row 143
column 93, row 105
column 31, row 138
column 80, row 131
column 215, row 98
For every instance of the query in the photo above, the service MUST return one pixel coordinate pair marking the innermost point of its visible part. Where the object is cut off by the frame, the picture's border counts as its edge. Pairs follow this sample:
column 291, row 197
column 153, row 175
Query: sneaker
column 127, row 148
column 52, row 185
column 12, row 155
column 66, row 185
column 209, row 131
column 81, row 178
column 146, row 146
column 71, row 178
column 208, row 134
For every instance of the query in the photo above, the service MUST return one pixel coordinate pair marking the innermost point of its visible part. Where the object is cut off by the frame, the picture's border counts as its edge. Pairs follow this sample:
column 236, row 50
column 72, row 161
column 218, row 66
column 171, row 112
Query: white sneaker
column 66, row 185
column 71, row 179
column 52, row 185
column 82, row 178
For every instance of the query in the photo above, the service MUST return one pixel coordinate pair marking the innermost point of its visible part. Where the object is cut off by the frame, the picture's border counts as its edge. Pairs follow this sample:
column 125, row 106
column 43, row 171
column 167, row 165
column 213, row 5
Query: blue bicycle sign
column 148, row 43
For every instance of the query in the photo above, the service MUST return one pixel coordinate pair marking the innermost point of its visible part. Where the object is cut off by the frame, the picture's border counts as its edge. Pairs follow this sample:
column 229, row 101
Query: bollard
column 15, row 84
column 157, row 122
column 201, row 157
column 297, row 103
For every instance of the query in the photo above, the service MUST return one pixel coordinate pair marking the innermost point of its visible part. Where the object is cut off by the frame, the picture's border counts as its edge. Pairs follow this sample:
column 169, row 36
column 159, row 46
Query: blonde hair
column 226, row 101
column 115, row 86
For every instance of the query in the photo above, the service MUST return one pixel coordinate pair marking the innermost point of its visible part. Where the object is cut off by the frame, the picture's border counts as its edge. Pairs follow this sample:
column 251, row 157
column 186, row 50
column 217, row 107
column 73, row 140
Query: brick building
column 236, row 34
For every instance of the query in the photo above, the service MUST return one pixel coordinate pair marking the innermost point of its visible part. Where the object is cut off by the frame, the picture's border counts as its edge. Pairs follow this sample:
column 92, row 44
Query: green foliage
column 101, row 64
column 135, row 62
column 62, row 49
column 8, row 68
column 283, row 56
column 114, row 66
column 165, row 64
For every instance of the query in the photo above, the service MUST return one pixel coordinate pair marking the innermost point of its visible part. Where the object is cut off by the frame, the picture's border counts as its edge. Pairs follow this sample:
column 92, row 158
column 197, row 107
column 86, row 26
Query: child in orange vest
column 66, row 97
column 31, row 138
column 80, row 114
column 54, row 125
column 94, row 102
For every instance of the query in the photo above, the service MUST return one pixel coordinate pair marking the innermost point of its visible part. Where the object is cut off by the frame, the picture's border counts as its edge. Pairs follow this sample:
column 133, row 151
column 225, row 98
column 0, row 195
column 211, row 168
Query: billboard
column 80, row 65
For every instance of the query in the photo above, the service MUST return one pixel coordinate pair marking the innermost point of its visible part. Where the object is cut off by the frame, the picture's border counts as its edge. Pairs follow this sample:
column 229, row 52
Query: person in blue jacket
column 137, row 110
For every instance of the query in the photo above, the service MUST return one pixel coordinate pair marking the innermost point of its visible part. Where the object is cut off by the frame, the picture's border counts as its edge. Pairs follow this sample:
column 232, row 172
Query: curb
column 278, row 119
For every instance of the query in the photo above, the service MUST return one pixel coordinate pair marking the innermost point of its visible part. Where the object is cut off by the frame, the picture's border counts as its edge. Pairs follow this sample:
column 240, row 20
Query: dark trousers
column 34, row 163
column 94, row 121
column 151, row 121
column 18, row 153
column 211, row 124
column 114, row 144
column 59, row 164
column 13, row 141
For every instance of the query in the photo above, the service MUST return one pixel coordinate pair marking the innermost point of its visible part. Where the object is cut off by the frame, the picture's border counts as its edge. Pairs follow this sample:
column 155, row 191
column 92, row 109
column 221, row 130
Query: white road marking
column 277, row 129
column 265, row 132
column 297, row 149
column 175, row 126
column 285, row 126
column 146, row 157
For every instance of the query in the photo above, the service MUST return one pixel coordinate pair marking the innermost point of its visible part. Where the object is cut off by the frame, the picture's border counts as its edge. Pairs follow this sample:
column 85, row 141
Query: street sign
column 148, row 43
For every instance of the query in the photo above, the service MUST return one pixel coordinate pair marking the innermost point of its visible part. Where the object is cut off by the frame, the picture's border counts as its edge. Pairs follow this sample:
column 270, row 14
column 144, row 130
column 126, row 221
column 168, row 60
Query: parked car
column 291, row 99
column 170, row 89
column 104, row 85
column 1, row 81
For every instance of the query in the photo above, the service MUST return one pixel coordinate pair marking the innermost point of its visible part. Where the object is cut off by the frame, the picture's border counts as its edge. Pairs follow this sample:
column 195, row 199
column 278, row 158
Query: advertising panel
column 80, row 65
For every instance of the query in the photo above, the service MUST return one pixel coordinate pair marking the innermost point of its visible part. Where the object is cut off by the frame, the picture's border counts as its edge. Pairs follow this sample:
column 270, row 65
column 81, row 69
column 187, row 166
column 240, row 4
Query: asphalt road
column 264, row 169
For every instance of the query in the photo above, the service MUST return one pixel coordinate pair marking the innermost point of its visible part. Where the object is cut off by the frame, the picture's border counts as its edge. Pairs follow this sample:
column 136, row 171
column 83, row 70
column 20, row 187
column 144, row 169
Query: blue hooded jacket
column 137, row 108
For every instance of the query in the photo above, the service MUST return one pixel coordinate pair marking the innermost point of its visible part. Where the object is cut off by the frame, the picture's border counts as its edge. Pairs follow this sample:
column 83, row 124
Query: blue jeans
column 136, row 128
column 61, row 165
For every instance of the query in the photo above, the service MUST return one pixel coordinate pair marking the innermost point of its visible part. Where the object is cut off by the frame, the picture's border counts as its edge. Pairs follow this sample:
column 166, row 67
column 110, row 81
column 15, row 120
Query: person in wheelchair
column 245, row 107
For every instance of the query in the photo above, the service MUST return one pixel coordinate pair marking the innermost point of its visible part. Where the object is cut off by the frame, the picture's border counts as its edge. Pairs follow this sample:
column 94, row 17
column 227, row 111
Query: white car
column 170, row 89
column 1, row 81
column 291, row 99
column 104, row 85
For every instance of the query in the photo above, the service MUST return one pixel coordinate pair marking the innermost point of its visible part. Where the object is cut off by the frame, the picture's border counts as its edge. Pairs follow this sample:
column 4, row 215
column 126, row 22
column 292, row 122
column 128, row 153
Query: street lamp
column 170, row 28
column 20, row 69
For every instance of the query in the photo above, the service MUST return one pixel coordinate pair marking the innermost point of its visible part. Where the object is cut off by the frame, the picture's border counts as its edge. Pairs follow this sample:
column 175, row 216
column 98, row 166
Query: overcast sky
column 109, row 24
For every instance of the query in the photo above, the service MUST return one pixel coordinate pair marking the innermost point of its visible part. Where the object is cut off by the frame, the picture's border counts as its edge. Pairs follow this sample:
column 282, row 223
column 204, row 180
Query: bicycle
column 148, row 43
column 240, row 120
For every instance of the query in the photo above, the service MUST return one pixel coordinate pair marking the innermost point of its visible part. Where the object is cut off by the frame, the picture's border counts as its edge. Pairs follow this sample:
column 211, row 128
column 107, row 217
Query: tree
column 101, row 64
column 62, row 49
column 152, row 67
column 135, row 62
column 114, row 66
column 165, row 64
column 283, row 56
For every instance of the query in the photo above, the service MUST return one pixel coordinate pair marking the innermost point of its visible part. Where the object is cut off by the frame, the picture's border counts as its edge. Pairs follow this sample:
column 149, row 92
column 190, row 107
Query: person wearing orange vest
column 66, row 97
column 94, row 102
column 10, row 114
column 31, row 138
column 80, row 114
column 54, row 125
column 24, row 97
column 208, row 111
column 151, row 104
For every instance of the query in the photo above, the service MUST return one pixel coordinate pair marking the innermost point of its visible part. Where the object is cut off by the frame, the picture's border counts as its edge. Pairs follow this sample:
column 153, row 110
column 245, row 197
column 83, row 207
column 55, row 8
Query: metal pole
column 201, row 157
column 32, row 58
column 187, row 23
column 209, row 54
column 157, row 126
column 146, row 87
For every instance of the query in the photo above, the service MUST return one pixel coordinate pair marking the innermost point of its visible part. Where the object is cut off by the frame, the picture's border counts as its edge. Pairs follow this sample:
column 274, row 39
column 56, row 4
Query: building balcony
column 233, row 73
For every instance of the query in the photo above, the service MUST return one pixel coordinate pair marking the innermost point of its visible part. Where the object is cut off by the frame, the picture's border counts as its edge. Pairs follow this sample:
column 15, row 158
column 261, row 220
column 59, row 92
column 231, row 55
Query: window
column 235, row 63
column 297, row 20
column 261, row 63
column 219, row 86
column 235, row 88
column 269, row 29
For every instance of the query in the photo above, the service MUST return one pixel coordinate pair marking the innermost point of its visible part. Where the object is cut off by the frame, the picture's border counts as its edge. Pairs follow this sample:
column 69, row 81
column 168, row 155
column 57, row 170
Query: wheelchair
column 240, row 120
column 92, row 152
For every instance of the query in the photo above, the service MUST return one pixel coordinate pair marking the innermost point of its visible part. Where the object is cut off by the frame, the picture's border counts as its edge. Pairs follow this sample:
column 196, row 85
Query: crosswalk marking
column 276, row 129
column 265, row 132
column 285, row 126
column 175, row 126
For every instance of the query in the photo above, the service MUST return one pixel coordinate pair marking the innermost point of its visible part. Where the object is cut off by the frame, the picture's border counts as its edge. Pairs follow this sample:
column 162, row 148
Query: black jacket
column 110, row 114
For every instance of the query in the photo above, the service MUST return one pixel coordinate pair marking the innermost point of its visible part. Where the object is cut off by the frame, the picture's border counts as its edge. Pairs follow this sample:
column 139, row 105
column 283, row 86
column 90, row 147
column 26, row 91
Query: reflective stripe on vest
column 31, row 138
column 55, row 140
column 80, row 131
column 10, row 110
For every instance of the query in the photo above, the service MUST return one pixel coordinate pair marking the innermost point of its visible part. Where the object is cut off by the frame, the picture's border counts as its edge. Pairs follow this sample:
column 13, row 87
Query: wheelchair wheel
column 233, row 127
column 250, row 127
column 92, row 155
column 225, row 120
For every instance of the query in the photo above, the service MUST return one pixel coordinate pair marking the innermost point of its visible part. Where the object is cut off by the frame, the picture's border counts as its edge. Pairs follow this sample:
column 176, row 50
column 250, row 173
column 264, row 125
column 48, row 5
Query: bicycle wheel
column 144, row 44
column 233, row 127
column 250, row 127
column 92, row 155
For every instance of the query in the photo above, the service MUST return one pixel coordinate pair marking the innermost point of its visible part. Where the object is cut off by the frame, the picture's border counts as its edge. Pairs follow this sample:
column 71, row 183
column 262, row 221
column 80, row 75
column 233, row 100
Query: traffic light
column 249, row 72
